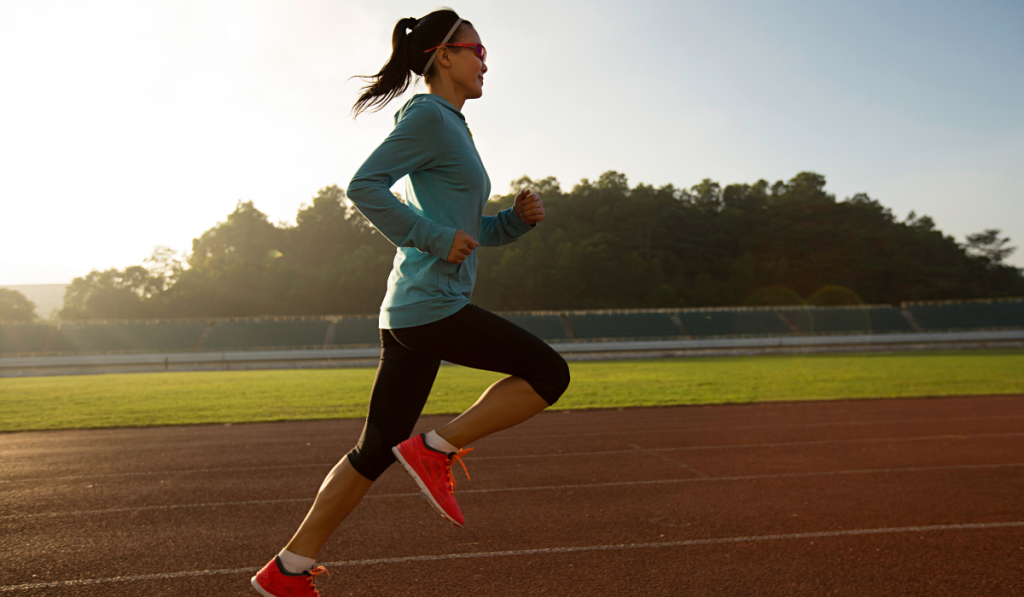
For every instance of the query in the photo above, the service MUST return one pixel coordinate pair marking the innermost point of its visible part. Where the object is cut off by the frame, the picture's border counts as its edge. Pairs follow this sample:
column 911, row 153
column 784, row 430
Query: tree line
column 602, row 245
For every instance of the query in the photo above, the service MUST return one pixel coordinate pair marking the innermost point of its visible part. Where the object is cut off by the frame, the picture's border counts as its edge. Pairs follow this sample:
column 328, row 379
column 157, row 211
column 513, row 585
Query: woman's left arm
column 511, row 223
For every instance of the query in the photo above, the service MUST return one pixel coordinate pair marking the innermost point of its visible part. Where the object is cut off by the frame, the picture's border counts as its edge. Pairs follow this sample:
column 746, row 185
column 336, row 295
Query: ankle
column 439, row 443
column 293, row 563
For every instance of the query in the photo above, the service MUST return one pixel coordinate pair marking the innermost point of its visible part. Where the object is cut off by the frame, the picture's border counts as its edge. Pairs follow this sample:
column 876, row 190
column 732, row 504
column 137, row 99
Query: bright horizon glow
column 129, row 125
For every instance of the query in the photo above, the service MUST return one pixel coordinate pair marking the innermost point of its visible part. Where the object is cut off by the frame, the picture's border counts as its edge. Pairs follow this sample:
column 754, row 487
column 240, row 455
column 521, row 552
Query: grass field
column 143, row 399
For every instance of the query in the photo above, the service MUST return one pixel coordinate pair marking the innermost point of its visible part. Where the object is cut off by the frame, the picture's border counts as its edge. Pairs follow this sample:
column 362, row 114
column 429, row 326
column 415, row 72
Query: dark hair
column 408, row 56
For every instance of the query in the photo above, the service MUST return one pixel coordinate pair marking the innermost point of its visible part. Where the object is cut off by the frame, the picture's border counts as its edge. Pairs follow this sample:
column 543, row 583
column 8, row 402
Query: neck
column 442, row 87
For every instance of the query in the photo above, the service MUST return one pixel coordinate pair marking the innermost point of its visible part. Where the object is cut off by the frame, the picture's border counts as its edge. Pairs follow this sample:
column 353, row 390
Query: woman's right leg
column 339, row 494
column 400, row 389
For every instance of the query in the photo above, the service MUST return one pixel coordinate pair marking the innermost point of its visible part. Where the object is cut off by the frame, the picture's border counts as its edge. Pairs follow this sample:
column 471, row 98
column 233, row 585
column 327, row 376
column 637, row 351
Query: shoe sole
column 260, row 589
column 423, row 487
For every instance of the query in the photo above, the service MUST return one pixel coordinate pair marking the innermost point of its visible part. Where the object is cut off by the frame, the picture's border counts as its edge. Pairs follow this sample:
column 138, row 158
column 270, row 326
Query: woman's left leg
column 476, row 338
column 479, row 339
column 507, row 403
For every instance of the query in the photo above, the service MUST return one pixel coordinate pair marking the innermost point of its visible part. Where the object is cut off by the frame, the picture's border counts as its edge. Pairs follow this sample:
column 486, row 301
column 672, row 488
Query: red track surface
column 871, row 497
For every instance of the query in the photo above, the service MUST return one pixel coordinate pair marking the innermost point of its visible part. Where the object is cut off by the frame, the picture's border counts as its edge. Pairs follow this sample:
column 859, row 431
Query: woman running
column 426, row 316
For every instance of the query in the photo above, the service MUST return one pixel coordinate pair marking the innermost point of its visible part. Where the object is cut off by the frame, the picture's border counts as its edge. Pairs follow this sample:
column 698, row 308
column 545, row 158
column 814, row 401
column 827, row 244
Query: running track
column 869, row 497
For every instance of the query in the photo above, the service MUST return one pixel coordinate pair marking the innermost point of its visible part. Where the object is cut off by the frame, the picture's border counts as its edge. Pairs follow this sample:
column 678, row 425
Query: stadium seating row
column 22, row 337
column 248, row 334
column 968, row 316
column 127, row 336
column 267, row 333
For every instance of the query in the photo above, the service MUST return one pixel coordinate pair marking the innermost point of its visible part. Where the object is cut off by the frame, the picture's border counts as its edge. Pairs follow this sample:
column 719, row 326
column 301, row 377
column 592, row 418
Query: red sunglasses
column 478, row 49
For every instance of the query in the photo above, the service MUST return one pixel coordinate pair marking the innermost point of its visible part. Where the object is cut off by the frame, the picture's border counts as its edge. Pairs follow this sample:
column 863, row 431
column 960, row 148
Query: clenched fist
column 529, row 207
column 462, row 246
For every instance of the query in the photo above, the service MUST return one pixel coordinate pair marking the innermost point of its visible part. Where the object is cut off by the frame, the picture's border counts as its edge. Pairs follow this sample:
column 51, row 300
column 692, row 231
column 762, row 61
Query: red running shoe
column 432, row 471
column 274, row 581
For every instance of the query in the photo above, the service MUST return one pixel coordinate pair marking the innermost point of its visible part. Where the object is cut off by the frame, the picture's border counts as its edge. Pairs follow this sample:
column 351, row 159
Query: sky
column 130, row 125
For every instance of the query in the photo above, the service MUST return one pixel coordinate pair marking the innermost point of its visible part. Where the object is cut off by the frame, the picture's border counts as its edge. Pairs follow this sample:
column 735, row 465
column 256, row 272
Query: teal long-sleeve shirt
column 446, row 190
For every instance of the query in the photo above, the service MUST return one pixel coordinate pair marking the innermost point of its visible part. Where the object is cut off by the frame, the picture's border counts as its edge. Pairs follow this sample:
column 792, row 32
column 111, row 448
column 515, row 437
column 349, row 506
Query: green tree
column 113, row 294
column 237, row 268
column 14, row 306
column 339, row 258
column 603, row 244
column 989, row 246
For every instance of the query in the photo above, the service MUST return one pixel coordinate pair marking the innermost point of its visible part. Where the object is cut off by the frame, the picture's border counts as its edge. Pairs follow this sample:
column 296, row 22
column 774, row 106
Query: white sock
column 294, row 563
column 437, row 442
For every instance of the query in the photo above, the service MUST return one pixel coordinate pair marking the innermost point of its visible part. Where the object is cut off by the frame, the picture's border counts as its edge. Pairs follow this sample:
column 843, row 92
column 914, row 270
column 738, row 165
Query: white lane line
column 165, row 507
column 137, row 577
column 515, row 437
column 911, row 469
column 846, row 441
column 764, row 445
column 541, row 551
column 641, row 432
column 511, row 437
column 548, row 455
column 689, row 543
column 172, row 472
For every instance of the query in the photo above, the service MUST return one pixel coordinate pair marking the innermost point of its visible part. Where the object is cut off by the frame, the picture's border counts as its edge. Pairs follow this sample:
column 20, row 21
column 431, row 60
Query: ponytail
column 409, row 41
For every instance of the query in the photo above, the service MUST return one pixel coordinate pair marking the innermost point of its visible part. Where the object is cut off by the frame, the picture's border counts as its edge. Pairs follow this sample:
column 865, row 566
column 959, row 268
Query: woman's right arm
column 415, row 142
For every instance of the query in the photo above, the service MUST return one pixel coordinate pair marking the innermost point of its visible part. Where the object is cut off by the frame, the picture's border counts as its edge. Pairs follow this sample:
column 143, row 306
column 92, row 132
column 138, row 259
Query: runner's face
column 467, row 70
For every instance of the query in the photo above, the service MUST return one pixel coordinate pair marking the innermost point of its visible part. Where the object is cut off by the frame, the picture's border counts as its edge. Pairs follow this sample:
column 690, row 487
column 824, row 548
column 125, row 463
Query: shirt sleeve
column 503, row 228
column 413, row 145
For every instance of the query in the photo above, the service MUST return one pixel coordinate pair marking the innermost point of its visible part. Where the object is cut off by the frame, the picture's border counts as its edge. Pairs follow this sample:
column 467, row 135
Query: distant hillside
column 47, row 297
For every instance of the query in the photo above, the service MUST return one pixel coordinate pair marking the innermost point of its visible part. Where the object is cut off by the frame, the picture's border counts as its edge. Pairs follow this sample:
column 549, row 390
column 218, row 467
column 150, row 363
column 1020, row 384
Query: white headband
column 443, row 42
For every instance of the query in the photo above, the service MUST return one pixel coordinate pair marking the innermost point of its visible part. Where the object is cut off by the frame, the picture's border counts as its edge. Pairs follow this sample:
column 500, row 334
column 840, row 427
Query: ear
column 443, row 57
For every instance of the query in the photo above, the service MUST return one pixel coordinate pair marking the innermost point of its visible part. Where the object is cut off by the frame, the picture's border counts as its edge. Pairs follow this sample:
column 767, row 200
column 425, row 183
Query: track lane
column 282, row 481
column 796, row 488
column 555, row 517
column 312, row 450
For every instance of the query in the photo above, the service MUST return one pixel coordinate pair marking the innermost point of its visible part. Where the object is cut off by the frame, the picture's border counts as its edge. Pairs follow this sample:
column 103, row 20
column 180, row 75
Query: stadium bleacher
column 22, row 337
column 733, row 322
column 801, row 317
column 266, row 333
column 356, row 331
column 941, row 317
column 888, row 320
column 127, row 336
column 865, row 319
column 619, row 325
column 545, row 326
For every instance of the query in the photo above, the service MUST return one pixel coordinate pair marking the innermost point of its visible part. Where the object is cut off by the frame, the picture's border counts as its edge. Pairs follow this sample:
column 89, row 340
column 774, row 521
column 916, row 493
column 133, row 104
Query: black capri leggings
column 410, row 358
